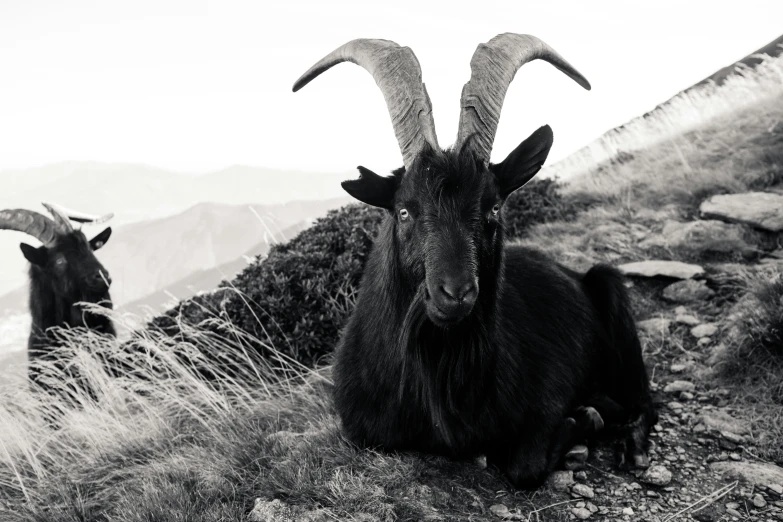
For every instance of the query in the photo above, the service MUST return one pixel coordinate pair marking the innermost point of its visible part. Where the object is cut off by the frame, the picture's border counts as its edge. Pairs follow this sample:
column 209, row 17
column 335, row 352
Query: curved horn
column 492, row 69
column 396, row 71
column 29, row 222
column 79, row 217
column 59, row 217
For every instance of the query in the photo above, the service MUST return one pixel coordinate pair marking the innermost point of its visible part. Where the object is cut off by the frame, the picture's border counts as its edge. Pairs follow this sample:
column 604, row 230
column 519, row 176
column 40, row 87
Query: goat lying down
column 459, row 344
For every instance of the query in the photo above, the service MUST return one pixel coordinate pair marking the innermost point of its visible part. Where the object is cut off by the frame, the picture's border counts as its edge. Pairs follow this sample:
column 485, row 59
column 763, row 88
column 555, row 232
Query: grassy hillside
column 160, row 443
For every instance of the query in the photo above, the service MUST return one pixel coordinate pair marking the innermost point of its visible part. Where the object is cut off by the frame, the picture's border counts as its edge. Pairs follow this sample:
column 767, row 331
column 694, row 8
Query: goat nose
column 458, row 290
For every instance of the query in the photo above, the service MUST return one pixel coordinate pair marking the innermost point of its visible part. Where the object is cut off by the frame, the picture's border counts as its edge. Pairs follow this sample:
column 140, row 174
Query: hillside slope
column 173, row 445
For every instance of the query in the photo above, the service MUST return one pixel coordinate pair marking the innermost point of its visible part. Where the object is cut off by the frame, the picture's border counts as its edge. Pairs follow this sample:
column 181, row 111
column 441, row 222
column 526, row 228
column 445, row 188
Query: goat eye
column 60, row 261
column 404, row 214
column 496, row 209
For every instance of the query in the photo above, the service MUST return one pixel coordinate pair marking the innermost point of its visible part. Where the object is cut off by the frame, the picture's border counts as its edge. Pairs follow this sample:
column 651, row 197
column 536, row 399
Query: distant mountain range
column 203, row 280
column 138, row 193
column 190, row 251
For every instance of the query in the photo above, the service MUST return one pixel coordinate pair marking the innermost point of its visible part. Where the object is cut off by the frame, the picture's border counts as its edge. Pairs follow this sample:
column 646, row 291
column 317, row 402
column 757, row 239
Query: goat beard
column 438, row 379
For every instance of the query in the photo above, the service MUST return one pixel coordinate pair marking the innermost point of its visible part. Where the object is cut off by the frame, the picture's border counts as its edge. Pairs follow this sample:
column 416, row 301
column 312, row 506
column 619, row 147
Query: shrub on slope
column 298, row 297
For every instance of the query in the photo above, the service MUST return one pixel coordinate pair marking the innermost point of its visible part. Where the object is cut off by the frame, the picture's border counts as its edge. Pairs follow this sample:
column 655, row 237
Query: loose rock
column 687, row 319
column 722, row 421
column 687, row 291
column 656, row 475
column 679, row 386
column 581, row 513
column 704, row 330
column 759, row 209
column 654, row 326
column 500, row 510
column 759, row 501
column 756, row 473
column 653, row 268
column 582, row 490
column 699, row 236
column 270, row 511
column 560, row 480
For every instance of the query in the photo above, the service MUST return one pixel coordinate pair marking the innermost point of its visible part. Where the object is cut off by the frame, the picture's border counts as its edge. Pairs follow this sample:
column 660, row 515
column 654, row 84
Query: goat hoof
column 641, row 461
column 589, row 420
column 576, row 458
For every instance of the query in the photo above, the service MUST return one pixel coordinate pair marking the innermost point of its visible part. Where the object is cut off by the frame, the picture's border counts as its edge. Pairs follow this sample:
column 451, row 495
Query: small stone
column 654, row 326
column 677, row 368
column 656, row 475
column 704, row 330
column 734, row 513
column 687, row 319
column 722, row 421
column 775, row 488
column 269, row 511
column 686, row 396
column 674, row 405
column 731, row 437
column 560, row 480
column 628, row 511
column 653, row 268
column 687, row 291
column 679, row 386
column 759, row 209
column 582, row 490
column 581, row 513
column 704, row 341
column 500, row 510
column 580, row 475
column 727, row 445
column 592, row 507
column 732, row 505
column 757, row 473
column 759, row 501
column 735, row 457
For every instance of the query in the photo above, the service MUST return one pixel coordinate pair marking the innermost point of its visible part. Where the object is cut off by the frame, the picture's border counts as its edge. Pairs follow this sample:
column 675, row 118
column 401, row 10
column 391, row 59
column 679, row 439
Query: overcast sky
column 197, row 86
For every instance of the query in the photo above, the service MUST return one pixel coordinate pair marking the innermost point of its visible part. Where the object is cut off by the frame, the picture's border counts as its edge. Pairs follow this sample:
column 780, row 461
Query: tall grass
column 689, row 110
column 111, row 412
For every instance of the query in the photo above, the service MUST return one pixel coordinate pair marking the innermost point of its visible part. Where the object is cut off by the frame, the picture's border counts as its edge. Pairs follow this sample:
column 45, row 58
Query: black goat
column 459, row 344
column 63, row 273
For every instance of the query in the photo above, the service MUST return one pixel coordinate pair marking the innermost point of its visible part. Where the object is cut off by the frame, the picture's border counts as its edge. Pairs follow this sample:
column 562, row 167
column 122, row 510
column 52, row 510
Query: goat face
column 446, row 204
column 71, row 266
column 447, row 213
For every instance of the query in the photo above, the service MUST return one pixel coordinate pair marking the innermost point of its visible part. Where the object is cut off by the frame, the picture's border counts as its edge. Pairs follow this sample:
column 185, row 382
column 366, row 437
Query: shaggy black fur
column 62, row 276
column 500, row 369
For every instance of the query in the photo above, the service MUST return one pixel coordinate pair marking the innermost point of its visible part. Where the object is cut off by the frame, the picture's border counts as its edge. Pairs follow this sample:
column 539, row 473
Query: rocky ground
column 704, row 464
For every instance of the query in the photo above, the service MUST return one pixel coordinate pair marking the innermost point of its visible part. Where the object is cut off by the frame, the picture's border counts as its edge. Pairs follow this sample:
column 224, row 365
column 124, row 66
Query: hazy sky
column 197, row 86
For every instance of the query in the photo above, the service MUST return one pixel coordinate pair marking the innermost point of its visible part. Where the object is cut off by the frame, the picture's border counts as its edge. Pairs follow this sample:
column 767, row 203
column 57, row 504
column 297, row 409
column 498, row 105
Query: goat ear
column 98, row 241
column 372, row 189
column 524, row 162
column 37, row 256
